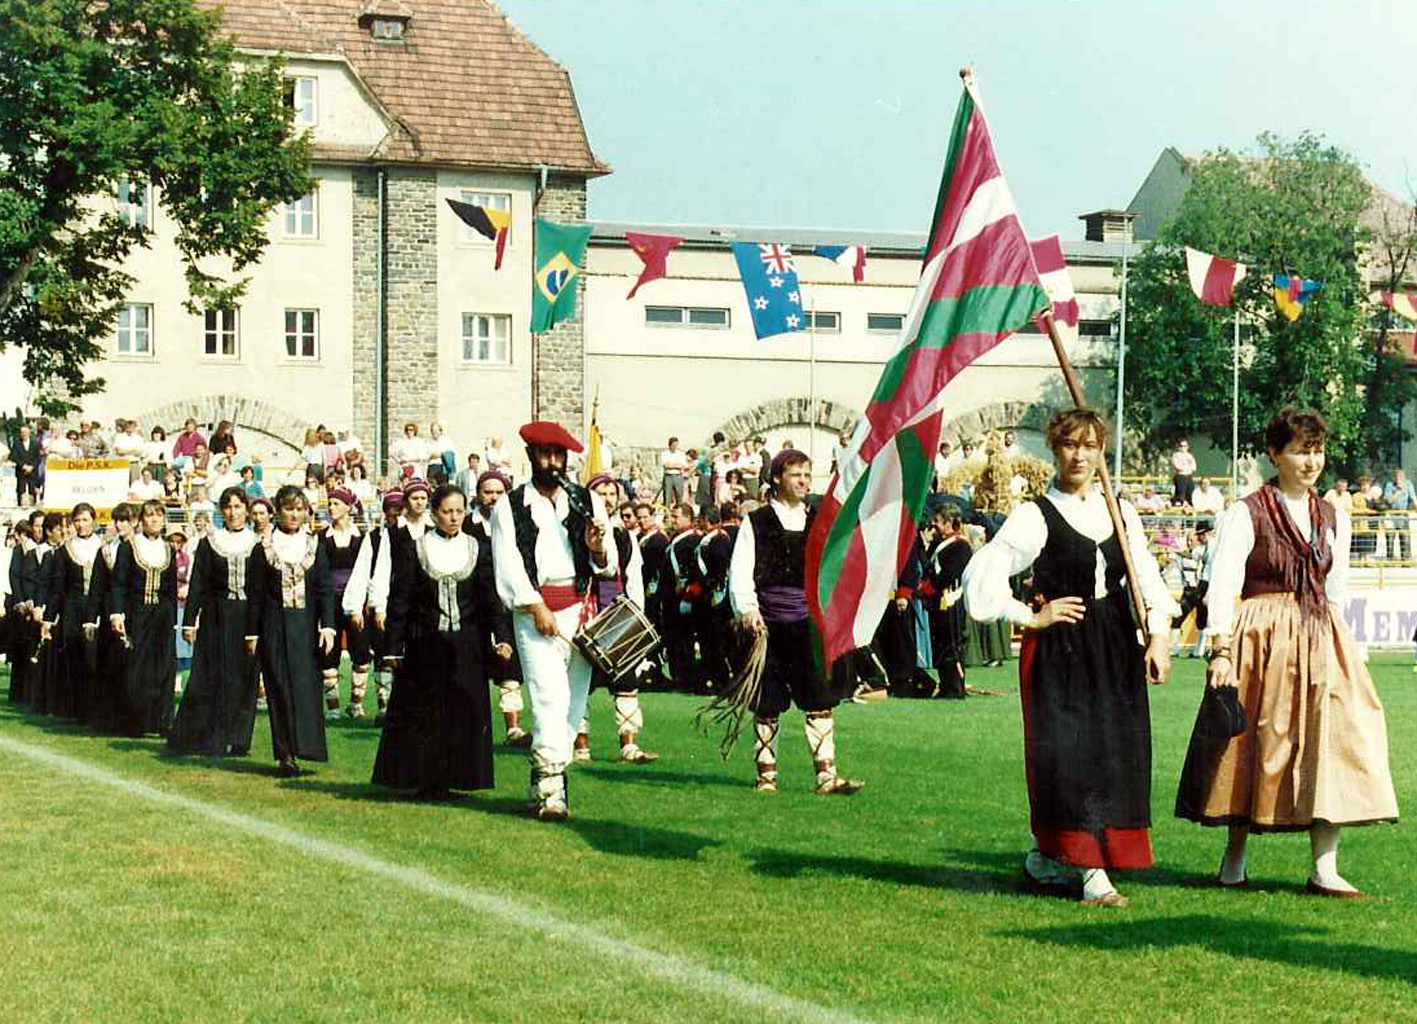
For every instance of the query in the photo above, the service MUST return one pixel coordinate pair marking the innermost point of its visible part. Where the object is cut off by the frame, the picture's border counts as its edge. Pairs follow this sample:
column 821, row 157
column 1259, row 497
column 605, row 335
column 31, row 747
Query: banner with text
column 103, row 483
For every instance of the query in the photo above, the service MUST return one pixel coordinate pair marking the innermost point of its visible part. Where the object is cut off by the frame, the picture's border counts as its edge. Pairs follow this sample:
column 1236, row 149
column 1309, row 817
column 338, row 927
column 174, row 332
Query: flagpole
column 1121, row 362
column 1235, row 416
column 1113, row 509
column 812, row 376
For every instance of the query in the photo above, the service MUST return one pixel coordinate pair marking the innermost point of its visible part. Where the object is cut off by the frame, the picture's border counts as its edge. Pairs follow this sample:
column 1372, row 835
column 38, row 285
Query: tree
column 95, row 94
column 1295, row 207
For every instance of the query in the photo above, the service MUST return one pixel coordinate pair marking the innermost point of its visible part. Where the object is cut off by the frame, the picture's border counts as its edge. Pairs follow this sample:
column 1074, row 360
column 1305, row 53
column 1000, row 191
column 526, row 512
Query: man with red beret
column 629, row 717
column 548, row 545
column 356, row 604
column 766, row 581
column 489, row 488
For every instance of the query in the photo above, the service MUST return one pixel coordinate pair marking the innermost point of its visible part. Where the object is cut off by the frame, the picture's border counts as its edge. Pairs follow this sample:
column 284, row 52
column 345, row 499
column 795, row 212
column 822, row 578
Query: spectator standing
column 250, row 484
column 1399, row 496
column 408, row 452
column 441, row 456
column 362, row 487
column 350, row 449
column 25, row 454
column 156, row 454
column 184, row 449
column 129, row 444
column 1183, row 473
column 223, row 436
column 674, row 465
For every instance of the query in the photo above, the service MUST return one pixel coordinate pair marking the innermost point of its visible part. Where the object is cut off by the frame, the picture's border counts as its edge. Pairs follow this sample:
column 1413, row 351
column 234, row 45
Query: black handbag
column 1221, row 717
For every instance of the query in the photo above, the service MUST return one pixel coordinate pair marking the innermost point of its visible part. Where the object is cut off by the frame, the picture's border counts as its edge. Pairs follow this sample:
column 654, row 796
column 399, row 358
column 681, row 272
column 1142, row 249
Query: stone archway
column 1031, row 416
column 789, row 412
column 252, row 414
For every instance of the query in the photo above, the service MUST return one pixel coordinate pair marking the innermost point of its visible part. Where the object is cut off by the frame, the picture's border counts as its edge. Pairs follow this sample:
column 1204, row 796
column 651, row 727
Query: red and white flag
column 1213, row 278
column 1058, row 283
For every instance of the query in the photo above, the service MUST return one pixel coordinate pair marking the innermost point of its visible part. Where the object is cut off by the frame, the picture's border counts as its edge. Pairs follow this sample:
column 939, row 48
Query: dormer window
column 386, row 20
column 386, row 28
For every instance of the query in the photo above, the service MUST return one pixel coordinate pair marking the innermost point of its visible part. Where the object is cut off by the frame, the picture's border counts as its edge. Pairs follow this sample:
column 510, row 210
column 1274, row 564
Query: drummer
column 629, row 718
column 549, row 540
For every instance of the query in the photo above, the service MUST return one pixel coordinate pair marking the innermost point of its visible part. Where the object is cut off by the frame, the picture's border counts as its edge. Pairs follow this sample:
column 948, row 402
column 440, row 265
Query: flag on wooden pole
column 978, row 285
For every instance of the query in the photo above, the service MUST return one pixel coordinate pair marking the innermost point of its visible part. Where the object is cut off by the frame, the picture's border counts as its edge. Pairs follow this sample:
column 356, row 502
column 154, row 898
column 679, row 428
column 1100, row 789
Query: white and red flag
column 1213, row 278
column 1058, row 283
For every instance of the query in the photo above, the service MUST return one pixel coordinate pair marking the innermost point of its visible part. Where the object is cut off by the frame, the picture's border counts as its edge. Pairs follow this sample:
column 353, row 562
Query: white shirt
column 131, row 445
column 1235, row 539
column 1020, row 541
column 139, row 490
column 553, row 546
column 1207, row 499
column 222, row 482
column 383, row 565
column 742, row 591
column 449, row 554
column 674, row 462
column 356, row 591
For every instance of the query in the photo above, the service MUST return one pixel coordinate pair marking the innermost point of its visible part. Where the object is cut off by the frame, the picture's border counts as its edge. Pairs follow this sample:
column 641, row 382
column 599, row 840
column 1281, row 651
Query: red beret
column 544, row 432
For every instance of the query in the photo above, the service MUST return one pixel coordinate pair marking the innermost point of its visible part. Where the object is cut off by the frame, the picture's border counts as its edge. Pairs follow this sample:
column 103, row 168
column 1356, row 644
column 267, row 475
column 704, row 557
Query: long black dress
column 218, row 712
column 438, row 734
column 21, row 629
column 111, row 670
column 947, row 564
column 70, row 606
column 145, row 594
column 288, row 604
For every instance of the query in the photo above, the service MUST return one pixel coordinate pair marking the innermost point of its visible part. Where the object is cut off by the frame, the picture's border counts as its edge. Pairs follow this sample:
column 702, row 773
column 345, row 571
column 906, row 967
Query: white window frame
column 686, row 317
column 492, row 200
column 219, row 325
column 131, row 332
column 307, row 114
column 134, row 214
column 884, row 330
column 815, row 325
column 387, row 30
column 481, row 328
column 294, row 216
column 299, row 335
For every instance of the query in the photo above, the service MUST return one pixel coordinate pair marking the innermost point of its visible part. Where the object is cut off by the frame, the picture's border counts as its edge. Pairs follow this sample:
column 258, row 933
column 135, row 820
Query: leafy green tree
column 97, row 93
column 1295, row 207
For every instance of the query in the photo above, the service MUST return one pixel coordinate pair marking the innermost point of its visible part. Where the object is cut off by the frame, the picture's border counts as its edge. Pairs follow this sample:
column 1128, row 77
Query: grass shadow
column 653, row 776
column 783, row 864
column 1306, row 946
column 644, row 841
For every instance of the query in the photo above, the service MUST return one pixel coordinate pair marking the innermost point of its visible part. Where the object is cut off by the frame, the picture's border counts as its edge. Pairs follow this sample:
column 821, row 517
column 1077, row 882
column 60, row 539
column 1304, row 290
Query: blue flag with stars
column 770, row 281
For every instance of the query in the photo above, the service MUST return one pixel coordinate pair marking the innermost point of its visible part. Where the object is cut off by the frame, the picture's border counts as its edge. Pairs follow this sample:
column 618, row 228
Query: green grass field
column 675, row 893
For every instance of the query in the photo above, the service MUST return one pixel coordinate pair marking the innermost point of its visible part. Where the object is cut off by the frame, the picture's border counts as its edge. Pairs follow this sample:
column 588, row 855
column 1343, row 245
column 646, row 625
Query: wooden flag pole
column 1113, row 509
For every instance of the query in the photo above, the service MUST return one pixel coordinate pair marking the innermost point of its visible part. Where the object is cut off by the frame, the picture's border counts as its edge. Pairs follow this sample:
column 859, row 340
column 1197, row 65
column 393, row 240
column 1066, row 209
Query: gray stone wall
column 244, row 413
column 365, row 257
column 559, row 374
column 411, row 271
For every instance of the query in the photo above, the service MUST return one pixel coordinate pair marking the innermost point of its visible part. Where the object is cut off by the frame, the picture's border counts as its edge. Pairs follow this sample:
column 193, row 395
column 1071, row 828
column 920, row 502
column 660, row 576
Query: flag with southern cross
column 560, row 250
column 978, row 285
column 770, row 283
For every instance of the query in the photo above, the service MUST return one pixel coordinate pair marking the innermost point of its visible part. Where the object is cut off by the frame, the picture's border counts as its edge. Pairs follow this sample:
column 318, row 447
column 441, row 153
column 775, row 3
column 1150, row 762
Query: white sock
column 1096, row 884
column 1233, row 871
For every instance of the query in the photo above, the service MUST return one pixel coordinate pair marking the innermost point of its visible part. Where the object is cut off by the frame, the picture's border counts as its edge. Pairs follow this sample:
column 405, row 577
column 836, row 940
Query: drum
column 617, row 639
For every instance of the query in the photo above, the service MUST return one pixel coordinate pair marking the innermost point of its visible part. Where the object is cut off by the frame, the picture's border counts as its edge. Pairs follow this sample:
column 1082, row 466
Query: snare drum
column 617, row 639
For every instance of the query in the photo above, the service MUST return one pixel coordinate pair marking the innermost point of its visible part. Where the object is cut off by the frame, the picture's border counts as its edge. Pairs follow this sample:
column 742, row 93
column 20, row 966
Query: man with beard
column 766, row 581
column 629, row 718
column 549, row 541
column 501, row 660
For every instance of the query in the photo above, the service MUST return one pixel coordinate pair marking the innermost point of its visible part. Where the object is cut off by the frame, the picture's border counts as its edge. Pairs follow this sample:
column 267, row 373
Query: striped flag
column 487, row 222
column 1403, row 304
column 1213, row 278
column 1058, row 283
column 852, row 256
column 978, row 285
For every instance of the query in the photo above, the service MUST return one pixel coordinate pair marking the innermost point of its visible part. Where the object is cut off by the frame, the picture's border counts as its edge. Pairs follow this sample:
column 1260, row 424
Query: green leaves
column 143, row 89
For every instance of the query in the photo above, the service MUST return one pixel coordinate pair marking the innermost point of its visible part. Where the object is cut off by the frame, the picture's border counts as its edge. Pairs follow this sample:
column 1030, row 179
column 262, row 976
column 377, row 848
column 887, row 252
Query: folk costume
column 111, row 674
column 897, row 639
column 1314, row 750
column 356, row 599
column 505, row 673
column 26, row 564
column 767, row 575
column 941, row 589
column 540, row 556
column 1087, row 727
column 290, row 603
column 719, row 637
column 142, row 597
column 217, row 716
column 342, row 549
column 73, row 622
column 682, row 600
column 438, row 733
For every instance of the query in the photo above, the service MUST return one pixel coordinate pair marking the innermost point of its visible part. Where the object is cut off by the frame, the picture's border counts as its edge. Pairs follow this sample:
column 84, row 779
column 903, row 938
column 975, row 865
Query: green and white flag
column 560, row 251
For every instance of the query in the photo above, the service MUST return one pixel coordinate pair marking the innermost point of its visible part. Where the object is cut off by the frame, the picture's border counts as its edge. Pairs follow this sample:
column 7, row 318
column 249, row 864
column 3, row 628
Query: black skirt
column 218, row 712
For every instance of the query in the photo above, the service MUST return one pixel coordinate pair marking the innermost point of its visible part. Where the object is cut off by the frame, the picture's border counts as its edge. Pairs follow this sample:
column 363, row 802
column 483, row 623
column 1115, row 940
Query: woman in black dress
column 218, row 712
column 442, row 601
column 111, row 671
column 341, row 541
column 142, row 605
column 1082, row 671
column 290, row 621
column 71, row 618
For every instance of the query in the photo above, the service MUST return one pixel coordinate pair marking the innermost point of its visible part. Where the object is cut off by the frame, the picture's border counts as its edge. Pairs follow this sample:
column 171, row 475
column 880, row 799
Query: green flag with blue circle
column 560, row 251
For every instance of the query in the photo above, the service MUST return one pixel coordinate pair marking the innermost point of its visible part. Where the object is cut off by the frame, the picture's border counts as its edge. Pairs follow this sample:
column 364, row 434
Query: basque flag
column 491, row 224
column 1213, row 278
column 1291, row 294
column 770, row 282
column 853, row 256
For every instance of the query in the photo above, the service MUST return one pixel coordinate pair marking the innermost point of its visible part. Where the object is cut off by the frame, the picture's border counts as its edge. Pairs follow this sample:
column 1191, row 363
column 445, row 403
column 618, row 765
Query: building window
column 302, row 334
column 134, row 336
column 684, row 316
column 885, row 323
column 827, row 322
column 220, row 334
column 488, row 200
column 300, row 96
column 1095, row 328
column 487, row 339
column 135, row 202
column 386, row 29
column 300, row 217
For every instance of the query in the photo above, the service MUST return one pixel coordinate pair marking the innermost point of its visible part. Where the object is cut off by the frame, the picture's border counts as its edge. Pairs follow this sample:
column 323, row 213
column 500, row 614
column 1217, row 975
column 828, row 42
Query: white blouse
column 1235, row 539
column 448, row 554
column 1020, row 541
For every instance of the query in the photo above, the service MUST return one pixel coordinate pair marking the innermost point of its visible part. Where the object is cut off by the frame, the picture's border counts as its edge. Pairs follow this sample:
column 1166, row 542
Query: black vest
column 780, row 555
column 526, row 533
column 1067, row 565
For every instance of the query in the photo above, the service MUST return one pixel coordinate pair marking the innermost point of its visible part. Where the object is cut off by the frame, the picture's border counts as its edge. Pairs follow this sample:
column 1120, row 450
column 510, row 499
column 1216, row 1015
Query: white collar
column 232, row 542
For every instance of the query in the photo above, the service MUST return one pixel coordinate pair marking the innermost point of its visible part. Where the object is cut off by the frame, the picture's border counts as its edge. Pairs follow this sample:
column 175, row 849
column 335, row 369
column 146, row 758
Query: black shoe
column 289, row 769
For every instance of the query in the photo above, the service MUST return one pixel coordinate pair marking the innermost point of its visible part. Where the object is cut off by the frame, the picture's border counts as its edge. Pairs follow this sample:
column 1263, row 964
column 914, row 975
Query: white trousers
column 557, row 680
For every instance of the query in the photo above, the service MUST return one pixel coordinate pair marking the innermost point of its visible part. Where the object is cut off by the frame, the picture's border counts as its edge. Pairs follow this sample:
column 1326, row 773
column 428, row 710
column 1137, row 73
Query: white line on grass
column 677, row 971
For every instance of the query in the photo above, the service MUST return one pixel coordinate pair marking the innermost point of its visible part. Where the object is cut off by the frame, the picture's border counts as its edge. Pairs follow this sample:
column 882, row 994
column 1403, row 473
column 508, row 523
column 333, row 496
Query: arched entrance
column 262, row 429
column 1026, row 419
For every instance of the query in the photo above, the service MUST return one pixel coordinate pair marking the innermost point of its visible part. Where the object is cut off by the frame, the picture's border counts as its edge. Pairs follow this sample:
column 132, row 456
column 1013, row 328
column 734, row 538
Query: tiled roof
column 465, row 85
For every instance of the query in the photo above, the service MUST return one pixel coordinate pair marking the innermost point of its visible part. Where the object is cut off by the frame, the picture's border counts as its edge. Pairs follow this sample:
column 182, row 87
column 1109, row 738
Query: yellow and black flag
column 490, row 223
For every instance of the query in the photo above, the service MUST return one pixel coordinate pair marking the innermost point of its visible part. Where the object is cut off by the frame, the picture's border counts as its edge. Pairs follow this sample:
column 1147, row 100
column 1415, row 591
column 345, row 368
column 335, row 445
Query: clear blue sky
column 835, row 113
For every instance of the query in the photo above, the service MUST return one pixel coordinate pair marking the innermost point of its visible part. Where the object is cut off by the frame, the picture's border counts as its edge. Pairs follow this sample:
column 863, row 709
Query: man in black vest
column 682, row 598
column 490, row 487
column 629, row 717
column 548, row 544
column 766, row 581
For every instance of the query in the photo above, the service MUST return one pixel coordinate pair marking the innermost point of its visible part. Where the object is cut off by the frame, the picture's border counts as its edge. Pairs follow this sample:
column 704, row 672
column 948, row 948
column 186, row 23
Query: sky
column 836, row 113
